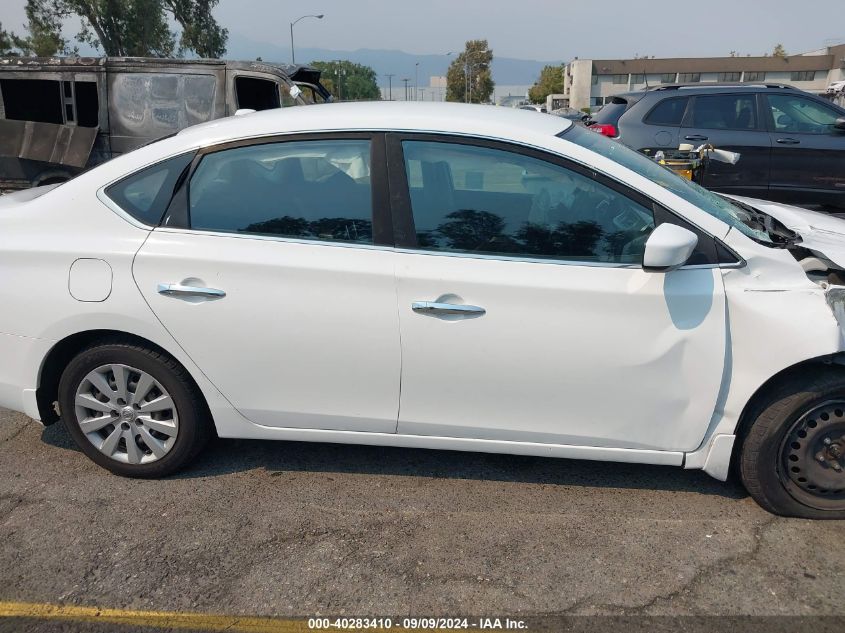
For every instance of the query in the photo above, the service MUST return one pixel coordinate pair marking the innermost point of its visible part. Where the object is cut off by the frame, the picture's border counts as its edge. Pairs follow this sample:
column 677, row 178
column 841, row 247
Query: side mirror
column 668, row 247
column 839, row 123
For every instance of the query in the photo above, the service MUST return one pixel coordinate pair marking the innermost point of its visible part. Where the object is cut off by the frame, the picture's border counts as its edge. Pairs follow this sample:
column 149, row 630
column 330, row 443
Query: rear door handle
column 432, row 307
column 189, row 291
column 788, row 141
column 696, row 137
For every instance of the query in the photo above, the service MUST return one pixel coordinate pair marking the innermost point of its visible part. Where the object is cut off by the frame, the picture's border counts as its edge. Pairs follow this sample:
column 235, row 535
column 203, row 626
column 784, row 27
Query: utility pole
column 390, row 87
column 416, row 81
column 405, row 81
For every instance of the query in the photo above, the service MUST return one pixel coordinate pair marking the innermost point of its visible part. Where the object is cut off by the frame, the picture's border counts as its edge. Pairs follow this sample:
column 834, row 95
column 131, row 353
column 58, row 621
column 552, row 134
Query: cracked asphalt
column 267, row 528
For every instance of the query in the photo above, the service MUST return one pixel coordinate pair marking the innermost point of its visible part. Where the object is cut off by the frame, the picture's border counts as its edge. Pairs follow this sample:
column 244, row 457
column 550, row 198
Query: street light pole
column 416, row 81
column 292, row 52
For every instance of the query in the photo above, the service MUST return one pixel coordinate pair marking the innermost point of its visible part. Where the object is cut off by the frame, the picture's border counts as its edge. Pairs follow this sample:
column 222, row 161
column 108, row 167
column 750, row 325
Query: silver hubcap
column 126, row 414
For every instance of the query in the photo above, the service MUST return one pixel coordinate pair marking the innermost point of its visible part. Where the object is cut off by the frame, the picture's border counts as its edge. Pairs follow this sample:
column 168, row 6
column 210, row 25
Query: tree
column 133, row 27
column 779, row 51
column 7, row 42
column 550, row 82
column 200, row 31
column 349, row 81
column 469, row 77
column 45, row 31
column 11, row 44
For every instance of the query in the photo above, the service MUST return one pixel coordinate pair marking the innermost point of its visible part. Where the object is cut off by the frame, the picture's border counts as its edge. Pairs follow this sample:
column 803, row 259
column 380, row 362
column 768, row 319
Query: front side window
column 145, row 194
column 796, row 114
column 469, row 199
column 668, row 112
column 695, row 194
column 725, row 112
column 314, row 190
column 257, row 94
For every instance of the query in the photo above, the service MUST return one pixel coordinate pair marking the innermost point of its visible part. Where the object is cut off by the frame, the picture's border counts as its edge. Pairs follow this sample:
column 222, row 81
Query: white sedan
column 433, row 276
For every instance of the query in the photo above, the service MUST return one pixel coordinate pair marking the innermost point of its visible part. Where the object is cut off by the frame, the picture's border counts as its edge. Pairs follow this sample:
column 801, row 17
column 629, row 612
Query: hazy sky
column 534, row 29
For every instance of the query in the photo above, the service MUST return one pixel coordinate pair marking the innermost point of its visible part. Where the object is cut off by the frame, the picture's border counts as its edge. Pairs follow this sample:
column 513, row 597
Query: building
column 591, row 82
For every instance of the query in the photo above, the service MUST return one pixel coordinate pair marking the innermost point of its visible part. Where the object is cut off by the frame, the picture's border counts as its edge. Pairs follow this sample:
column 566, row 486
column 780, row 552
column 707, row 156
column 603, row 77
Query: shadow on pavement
column 226, row 456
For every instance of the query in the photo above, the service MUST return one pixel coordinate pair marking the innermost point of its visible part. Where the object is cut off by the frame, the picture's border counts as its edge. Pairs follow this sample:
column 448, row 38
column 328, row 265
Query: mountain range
column 507, row 71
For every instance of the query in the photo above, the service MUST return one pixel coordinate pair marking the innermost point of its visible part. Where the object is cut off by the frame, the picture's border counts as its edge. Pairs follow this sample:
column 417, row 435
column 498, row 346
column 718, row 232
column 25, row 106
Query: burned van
column 59, row 116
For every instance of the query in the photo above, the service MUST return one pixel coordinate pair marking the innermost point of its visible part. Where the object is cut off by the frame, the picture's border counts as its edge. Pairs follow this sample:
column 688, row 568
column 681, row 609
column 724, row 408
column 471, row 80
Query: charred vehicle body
column 59, row 116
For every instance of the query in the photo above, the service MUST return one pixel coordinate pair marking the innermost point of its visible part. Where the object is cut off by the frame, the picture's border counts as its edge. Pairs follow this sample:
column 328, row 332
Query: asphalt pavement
column 273, row 528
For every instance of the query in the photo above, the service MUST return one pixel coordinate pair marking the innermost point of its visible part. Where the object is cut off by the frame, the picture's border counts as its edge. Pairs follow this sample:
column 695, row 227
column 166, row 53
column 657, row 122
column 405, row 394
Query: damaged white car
column 433, row 276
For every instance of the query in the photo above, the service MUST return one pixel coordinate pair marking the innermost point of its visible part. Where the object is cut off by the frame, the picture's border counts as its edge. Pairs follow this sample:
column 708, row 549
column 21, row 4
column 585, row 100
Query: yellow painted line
column 153, row 619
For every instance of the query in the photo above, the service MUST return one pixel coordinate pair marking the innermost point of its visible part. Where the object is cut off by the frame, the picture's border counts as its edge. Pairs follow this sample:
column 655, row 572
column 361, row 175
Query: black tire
column 787, row 430
column 195, row 426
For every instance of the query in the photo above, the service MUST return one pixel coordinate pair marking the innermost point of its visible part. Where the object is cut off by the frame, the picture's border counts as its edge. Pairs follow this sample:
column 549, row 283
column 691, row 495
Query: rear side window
column 145, row 194
column 610, row 113
column 310, row 190
column 725, row 112
column 668, row 112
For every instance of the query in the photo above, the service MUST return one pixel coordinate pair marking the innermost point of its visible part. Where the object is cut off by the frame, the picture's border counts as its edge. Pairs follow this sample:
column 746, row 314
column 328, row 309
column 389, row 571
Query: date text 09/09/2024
column 431, row 624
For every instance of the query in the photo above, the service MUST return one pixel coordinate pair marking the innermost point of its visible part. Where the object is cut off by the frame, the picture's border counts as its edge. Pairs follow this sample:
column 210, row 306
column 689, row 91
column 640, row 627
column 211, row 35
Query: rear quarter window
column 145, row 194
column 668, row 112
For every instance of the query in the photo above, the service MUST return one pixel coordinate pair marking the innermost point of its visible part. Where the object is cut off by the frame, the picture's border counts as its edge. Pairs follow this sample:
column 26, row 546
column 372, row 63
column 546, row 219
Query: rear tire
column 792, row 460
column 134, row 411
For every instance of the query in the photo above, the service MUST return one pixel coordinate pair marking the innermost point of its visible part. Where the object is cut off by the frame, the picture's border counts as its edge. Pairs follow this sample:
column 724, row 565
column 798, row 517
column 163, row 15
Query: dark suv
column 792, row 143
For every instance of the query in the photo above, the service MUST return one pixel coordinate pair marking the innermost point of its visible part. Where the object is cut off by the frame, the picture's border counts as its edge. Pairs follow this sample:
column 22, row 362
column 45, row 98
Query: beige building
column 591, row 82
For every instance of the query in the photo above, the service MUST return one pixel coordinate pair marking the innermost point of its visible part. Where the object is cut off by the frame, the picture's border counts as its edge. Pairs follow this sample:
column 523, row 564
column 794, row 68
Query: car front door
column 731, row 122
column 525, row 314
column 808, row 152
column 271, row 271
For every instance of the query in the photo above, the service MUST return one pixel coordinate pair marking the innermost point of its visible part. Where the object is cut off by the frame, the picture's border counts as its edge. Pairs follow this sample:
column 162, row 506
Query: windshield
column 705, row 200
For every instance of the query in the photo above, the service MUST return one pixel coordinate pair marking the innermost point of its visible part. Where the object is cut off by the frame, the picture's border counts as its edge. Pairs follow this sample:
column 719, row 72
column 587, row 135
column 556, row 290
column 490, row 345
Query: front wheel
column 793, row 456
column 132, row 410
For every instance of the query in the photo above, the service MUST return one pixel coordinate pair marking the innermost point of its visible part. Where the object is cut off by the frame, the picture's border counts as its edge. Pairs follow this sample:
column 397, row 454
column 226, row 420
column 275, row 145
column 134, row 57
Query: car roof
column 451, row 118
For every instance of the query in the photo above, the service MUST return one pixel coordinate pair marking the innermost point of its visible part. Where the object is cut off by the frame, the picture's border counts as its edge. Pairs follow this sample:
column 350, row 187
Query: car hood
column 820, row 232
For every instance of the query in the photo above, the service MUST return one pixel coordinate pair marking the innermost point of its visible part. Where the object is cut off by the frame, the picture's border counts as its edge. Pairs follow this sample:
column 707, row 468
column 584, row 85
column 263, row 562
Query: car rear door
column 525, row 314
column 731, row 121
column 808, row 152
column 274, row 271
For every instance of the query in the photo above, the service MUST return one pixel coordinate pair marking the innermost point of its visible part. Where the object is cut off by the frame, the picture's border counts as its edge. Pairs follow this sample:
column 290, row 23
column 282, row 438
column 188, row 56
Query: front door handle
column 788, row 141
column 696, row 137
column 432, row 307
column 189, row 291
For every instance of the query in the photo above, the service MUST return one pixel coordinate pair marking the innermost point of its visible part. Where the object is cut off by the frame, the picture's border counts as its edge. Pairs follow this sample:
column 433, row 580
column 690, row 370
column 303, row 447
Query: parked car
column 534, row 107
column 535, row 288
column 571, row 113
column 59, row 116
column 837, row 87
column 792, row 143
